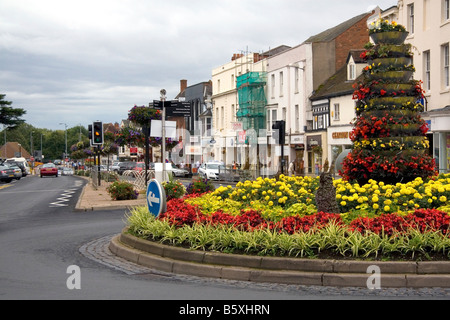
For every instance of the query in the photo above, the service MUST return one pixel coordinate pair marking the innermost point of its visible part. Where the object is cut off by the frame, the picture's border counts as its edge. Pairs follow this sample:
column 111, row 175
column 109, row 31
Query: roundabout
column 296, row 271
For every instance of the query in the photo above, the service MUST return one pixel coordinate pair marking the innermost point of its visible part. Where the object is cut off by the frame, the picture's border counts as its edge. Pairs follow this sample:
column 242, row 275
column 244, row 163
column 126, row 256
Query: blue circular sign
column 156, row 198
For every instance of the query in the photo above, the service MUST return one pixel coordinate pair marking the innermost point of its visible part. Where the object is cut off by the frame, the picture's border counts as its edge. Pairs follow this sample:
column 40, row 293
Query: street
column 42, row 238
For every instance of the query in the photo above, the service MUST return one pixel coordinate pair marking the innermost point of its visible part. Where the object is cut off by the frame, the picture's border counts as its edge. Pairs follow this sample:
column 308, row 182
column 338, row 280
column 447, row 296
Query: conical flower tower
column 389, row 135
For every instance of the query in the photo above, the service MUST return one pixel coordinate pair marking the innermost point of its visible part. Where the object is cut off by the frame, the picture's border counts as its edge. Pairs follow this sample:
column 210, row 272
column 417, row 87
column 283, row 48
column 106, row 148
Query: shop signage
column 340, row 135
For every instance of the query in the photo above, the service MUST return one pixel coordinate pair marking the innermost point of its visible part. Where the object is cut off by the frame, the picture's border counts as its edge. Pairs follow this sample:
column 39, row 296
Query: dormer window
column 351, row 71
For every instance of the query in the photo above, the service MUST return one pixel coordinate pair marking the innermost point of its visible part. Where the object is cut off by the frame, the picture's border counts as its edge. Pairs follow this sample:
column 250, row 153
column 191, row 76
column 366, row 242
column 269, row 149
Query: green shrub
column 200, row 185
column 122, row 190
column 173, row 188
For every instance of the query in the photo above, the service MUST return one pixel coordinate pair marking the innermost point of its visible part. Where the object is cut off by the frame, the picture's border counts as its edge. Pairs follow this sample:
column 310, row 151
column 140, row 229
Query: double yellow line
column 5, row 186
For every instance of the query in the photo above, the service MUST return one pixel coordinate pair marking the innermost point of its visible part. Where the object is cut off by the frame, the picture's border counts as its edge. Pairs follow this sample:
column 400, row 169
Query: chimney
column 183, row 85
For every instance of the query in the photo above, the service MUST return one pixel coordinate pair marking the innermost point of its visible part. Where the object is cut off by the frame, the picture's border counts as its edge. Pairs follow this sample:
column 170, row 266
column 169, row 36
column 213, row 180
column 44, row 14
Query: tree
column 9, row 116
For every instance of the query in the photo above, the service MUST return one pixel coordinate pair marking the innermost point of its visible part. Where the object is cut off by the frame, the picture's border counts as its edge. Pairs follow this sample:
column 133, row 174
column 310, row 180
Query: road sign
column 156, row 198
column 174, row 108
column 179, row 109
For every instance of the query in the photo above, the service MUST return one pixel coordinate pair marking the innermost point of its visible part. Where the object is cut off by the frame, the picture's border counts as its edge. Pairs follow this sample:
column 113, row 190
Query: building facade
column 428, row 24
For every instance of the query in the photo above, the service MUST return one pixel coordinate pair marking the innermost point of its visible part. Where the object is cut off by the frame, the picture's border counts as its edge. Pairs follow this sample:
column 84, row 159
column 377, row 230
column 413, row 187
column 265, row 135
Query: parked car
column 124, row 166
column 177, row 172
column 17, row 170
column 210, row 170
column 48, row 169
column 115, row 167
column 6, row 173
column 21, row 162
column 67, row 171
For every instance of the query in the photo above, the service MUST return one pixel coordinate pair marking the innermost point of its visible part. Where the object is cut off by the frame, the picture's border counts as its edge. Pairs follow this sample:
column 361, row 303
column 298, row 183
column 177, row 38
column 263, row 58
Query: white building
column 428, row 24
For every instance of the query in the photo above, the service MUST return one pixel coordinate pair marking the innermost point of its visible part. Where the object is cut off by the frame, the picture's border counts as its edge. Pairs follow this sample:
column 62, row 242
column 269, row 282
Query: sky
column 77, row 61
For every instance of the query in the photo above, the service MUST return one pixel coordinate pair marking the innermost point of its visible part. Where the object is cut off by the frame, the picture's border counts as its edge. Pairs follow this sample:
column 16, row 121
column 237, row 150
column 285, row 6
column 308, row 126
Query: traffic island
column 297, row 271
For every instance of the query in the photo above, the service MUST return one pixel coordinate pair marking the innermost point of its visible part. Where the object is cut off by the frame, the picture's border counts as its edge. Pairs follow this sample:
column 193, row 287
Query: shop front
column 338, row 141
column 314, row 149
column 440, row 127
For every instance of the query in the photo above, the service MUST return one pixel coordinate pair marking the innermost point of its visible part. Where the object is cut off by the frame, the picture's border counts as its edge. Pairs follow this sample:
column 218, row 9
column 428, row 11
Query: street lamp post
column 163, row 125
column 65, row 126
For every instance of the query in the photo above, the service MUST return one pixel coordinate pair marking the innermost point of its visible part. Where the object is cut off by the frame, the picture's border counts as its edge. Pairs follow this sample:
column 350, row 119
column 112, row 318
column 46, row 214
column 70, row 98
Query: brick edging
column 301, row 271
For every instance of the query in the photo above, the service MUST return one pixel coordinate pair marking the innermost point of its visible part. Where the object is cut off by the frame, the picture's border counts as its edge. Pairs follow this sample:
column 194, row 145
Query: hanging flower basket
column 143, row 115
column 389, row 37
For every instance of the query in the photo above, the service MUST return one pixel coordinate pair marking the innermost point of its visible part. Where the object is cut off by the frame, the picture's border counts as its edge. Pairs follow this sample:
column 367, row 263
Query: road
column 41, row 236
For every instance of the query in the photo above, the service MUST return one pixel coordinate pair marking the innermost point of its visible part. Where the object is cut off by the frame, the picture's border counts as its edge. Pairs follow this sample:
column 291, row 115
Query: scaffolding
column 252, row 100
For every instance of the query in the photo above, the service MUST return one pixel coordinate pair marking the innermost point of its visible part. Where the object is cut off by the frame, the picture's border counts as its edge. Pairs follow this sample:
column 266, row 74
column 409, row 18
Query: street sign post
column 156, row 198
column 174, row 108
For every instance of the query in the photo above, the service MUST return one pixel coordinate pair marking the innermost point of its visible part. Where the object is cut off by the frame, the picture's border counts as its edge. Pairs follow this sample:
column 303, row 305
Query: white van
column 23, row 162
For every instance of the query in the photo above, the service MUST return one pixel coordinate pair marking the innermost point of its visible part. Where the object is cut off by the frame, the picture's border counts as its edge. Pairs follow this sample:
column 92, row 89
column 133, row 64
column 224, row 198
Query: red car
column 49, row 169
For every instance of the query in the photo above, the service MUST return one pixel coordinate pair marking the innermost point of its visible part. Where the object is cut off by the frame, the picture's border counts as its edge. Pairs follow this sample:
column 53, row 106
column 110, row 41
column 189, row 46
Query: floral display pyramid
column 389, row 135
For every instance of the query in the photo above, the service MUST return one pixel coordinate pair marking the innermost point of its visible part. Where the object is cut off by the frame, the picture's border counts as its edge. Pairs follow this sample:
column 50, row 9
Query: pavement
column 97, row 198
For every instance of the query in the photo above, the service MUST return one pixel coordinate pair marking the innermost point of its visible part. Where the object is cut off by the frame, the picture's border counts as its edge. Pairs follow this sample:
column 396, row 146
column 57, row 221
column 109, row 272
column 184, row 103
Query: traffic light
column 279, row 133
column 90, row 132
column 97, row 133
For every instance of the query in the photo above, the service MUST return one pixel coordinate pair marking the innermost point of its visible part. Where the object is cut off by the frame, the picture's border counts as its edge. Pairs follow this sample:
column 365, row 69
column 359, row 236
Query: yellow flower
column 443, row 199
column 270, row 203
column 343, row 203
column 387, row 208
column 375, row 206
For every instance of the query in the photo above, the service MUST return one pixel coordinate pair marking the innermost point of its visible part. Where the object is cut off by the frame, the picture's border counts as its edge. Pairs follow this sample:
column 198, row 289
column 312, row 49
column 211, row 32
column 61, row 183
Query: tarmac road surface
column 42, row 239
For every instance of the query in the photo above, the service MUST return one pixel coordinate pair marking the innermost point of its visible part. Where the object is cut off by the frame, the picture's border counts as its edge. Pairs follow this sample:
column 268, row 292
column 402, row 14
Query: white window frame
column 411, row 18
column 337, row 112
column 427, row 70
column 446, row 65
column 281, row 83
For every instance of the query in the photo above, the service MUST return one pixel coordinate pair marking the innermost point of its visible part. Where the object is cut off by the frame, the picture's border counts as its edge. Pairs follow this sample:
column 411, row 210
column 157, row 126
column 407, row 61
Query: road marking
column 65, row 197
column 5, row 186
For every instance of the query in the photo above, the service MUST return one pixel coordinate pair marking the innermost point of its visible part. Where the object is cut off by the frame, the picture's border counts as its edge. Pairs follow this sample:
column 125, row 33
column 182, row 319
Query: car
column 124, row 166
column 48, row 169
column 17, row 170
column 115, row 167
column 177, row 172
column 6, row 173
column 139, row 166
column 67, row 171
column 22, row 163
column 210, row 170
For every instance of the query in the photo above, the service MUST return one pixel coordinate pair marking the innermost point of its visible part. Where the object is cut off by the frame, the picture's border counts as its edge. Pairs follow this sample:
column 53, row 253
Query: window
column 217, row 118
column 222, row 117
column 445, row 10
column 272, row 83
column 271, row 118
column 411, row 18
column 351, row 71
column 321, row 119
column 446, row 65
column 297, row 119
column 281, row 83
column 336, row 112
column 218, row 86
column 427, row 70
column 297, row 78
column 233, row 113
column 233, row 83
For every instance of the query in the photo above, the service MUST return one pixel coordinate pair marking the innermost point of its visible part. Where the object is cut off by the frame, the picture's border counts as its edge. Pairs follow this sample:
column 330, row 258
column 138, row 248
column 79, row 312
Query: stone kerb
column 301, row 271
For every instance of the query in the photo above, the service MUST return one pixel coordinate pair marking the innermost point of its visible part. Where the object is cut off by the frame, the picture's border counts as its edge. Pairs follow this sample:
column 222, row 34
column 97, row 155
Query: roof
column 356, row 55
column 11, row 148
column 337, row 84
column 333, row 33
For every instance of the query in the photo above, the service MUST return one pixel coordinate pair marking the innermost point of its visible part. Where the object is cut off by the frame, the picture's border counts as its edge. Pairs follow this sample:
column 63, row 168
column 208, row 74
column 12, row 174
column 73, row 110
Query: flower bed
column 377, row 219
